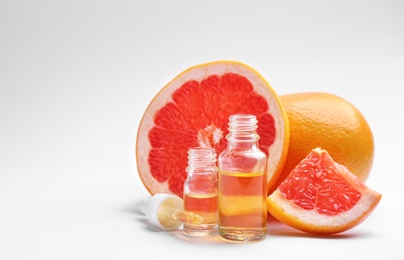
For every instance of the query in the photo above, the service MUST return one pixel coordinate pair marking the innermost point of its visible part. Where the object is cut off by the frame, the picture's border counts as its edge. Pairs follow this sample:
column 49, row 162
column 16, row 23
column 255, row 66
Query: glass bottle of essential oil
column 242, row 183
column 200, row 191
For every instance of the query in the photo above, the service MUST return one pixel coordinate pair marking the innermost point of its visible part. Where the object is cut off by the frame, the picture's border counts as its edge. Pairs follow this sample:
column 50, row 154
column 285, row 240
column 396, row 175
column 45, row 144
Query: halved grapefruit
column 321, row 196
column 193, row 110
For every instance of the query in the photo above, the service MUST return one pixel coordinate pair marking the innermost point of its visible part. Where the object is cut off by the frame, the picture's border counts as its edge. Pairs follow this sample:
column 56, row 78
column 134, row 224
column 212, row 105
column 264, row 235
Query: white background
column 76, row 77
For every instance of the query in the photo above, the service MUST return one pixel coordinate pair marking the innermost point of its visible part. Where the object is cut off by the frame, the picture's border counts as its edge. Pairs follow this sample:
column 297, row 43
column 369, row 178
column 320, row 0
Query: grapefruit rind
column 277, row 151
column 312, row 222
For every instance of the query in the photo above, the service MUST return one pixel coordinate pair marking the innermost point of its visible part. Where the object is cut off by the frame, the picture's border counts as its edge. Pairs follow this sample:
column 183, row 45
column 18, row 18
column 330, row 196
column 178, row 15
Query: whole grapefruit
column 325, row 120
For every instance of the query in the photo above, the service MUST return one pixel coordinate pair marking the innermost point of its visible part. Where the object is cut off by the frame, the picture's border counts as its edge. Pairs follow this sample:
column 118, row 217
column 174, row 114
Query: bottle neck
column 242, row 131
column 201, row 160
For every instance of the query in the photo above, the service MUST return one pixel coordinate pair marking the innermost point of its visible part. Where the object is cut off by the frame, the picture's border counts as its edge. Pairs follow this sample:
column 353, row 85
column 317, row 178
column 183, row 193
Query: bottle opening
column 242, row 127
column 201, row 159
column 243, row 122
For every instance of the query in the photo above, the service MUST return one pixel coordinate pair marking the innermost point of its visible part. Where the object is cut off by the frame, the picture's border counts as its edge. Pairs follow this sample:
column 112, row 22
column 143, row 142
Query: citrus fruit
column 193, row 110
column 321, row 196
column 328, row 121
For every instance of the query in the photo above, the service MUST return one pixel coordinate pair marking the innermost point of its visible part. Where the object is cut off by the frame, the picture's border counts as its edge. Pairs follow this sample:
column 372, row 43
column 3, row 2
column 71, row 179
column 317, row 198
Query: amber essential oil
column 242, row 211
column 205, row 206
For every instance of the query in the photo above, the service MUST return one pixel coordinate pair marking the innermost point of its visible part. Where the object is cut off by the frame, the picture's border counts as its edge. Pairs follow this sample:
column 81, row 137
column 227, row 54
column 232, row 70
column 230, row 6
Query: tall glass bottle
column 242, row 183
column 200, row 191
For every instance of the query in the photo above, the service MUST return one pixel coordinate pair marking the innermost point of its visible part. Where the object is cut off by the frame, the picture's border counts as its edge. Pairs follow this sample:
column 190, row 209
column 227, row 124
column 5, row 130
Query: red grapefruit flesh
column 193, row 110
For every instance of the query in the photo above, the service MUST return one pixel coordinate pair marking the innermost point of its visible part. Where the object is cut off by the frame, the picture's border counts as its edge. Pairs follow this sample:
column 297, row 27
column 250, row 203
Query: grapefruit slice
column 321, row 196
column 193, row 110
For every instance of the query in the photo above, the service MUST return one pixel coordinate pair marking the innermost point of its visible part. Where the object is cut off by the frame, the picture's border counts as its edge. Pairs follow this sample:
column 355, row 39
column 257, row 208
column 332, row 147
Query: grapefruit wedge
column 321, row 196
column 193, row 110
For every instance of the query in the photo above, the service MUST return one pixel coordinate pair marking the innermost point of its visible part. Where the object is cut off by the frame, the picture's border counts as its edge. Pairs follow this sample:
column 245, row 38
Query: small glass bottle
column 242, row 183
column 200, row 191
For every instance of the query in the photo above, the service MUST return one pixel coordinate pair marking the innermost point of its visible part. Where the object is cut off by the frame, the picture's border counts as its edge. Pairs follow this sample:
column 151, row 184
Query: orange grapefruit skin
column 328, row 121
column 277, row 151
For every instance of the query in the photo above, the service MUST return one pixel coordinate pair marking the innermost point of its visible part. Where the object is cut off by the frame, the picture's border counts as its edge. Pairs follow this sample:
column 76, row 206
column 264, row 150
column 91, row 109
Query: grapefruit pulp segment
column 318, row 184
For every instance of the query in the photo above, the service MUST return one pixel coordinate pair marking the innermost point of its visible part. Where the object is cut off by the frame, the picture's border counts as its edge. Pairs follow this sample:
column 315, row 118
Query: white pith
column 210, row 130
